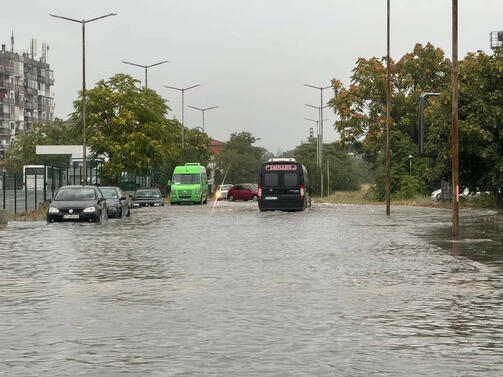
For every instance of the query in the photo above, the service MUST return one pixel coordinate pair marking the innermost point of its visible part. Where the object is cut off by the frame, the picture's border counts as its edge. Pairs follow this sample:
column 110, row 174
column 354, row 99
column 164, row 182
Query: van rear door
column 282, row 181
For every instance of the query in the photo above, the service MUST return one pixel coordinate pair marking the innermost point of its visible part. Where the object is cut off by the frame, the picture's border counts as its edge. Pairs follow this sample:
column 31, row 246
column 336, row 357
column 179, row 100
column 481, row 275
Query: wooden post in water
column 455, row 129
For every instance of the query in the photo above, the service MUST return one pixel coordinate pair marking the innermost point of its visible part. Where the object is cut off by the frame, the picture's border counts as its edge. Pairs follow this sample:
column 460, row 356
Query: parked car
column 243, row 191
column 222, row 191
column 435, row 195
column 147, row 197
column 117, row 203
column 77, row 203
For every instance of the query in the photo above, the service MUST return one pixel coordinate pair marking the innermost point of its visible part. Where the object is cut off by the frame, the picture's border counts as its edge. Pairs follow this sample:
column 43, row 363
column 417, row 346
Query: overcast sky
column 250, row 57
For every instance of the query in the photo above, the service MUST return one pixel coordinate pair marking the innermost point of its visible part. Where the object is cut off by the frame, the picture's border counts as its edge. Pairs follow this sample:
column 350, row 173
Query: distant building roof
column 216, row 146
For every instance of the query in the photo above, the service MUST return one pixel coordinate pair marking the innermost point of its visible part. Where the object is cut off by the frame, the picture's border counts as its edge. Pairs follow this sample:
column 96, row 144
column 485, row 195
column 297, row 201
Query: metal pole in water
column 25, row 195
column 15, row 192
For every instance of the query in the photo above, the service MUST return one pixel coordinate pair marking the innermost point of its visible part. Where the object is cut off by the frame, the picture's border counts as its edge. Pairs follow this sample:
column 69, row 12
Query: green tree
column 342, row 174
column 362, row 108
column 240, row 160
column 23, row 151
column 127, row 125
column 480, row 125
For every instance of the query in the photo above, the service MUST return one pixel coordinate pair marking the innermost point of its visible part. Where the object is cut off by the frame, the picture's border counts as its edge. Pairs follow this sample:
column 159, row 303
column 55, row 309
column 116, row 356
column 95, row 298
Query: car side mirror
column 123, row 198
column 169, row 182
column 49, row 201
column 130, row 196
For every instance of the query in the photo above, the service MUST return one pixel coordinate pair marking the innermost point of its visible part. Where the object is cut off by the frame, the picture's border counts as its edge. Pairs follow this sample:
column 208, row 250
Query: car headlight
column 89, row 209
column 53, row 210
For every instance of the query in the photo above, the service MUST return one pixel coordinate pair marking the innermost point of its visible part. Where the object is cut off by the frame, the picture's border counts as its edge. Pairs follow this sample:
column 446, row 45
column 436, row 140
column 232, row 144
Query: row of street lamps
column 319, row 126
column 83, row 22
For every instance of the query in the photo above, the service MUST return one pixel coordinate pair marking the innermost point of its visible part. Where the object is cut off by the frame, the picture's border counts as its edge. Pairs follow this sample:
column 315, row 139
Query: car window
column 147, row 193
column 75, row 194
column 109, row 193
column 290, row 179
column 270, row 179
column 186, row 179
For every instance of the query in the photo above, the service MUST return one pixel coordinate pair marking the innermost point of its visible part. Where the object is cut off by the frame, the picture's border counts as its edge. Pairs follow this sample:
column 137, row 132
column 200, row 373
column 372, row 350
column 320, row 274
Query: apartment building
column 25, row 94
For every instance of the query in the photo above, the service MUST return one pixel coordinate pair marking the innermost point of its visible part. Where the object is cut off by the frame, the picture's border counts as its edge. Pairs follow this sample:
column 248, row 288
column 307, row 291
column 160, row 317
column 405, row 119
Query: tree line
column 361, row 109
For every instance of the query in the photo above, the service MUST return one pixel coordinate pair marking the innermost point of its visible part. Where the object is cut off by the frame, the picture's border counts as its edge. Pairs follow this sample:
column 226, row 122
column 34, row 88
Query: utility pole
column 388, row 107
column 455, row 130
column 84, row 99
column 203, row 110
column 146, row 67
column 182, row 90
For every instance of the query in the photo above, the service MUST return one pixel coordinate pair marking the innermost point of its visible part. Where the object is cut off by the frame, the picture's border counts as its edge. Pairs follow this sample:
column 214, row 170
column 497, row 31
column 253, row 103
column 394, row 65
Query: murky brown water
column 337, row 290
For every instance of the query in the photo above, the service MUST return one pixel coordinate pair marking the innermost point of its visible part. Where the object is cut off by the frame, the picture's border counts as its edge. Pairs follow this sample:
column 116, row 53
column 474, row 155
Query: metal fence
column 21, row 192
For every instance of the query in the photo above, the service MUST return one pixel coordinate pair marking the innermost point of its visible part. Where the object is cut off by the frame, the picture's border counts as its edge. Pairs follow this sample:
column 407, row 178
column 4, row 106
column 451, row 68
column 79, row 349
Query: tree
column 239, row 160
column 362, row 107
column 480, row 125
column 23, row 151
column 128, row 126
column 343, row 176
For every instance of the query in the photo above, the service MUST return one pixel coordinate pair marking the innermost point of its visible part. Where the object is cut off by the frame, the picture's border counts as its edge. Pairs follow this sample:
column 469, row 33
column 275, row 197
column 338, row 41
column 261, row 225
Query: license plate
column 184, row 199
column 270, row 197
column 70, row 216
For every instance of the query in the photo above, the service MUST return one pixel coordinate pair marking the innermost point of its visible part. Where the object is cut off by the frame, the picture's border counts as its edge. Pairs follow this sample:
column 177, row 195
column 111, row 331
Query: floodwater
column 187, row 291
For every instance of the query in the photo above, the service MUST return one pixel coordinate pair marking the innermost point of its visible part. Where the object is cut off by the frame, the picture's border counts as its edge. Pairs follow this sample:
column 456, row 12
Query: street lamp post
column 146, row 67
column 321, row 89
column 83, row 23
column 182, row 90
column 317, row 137
column 410, row 163
column 203, row 110
column 320, row 144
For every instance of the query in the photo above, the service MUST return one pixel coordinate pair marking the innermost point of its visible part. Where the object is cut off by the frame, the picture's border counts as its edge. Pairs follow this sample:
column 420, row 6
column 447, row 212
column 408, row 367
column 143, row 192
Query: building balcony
column 6, row 85
column 6, row 69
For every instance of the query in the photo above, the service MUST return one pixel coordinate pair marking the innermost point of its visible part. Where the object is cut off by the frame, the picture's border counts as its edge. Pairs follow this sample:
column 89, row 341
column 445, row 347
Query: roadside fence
column 22, row 192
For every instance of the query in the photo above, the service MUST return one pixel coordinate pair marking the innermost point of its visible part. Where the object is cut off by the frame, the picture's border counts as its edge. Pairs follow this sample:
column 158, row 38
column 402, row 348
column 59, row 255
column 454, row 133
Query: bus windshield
column 185, row 179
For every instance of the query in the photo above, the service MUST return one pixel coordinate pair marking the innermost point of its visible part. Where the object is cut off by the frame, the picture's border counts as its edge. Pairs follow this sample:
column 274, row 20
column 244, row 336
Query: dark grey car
column 148, row 197
column 117, row 203
column 77, row 203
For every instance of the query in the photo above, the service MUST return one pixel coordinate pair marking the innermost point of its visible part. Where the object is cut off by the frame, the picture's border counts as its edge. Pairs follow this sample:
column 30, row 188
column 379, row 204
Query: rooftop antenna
column 12, row 42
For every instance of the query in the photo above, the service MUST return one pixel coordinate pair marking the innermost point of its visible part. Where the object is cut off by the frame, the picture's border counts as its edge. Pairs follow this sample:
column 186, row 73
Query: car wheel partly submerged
column 231, row 198
column 255, row 198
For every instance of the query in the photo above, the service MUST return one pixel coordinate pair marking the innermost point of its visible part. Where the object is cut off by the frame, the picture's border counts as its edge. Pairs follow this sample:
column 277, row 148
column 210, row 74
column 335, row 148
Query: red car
column 243, row 191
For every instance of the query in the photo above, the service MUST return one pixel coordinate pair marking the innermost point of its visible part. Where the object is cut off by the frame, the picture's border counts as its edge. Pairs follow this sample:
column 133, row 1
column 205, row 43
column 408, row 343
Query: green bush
column 410, row 186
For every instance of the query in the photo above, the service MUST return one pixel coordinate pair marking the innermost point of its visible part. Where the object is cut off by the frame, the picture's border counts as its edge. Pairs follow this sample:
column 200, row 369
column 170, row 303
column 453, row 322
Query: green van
column 189, row 184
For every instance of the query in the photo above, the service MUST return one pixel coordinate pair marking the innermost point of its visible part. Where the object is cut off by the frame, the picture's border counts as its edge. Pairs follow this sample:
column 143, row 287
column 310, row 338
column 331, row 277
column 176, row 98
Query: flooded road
column 183, row 291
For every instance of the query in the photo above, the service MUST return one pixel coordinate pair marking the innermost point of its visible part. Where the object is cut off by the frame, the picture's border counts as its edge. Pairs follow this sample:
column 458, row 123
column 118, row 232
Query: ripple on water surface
column 197, row 290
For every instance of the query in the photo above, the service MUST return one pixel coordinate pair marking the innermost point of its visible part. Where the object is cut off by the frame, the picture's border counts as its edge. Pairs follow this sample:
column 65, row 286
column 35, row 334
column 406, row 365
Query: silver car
column 221, row 191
